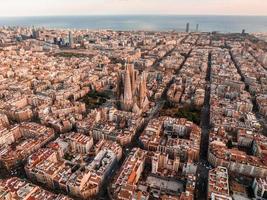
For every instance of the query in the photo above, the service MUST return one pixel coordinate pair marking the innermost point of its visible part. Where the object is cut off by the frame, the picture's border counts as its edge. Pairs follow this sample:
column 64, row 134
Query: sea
column 224, row 24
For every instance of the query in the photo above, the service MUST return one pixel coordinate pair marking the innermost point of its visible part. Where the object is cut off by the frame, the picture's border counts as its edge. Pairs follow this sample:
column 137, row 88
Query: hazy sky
column 102, row 7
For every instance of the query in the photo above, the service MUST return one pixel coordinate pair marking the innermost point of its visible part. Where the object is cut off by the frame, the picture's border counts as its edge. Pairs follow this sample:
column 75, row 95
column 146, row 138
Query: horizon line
column 88, row 15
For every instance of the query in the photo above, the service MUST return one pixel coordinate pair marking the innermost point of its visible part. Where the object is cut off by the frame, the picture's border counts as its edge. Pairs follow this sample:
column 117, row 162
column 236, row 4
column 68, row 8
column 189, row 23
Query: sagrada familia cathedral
column 132, row 91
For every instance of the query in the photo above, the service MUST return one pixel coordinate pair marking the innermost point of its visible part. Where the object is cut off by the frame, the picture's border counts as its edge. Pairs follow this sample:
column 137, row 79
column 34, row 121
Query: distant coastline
column 207, row 23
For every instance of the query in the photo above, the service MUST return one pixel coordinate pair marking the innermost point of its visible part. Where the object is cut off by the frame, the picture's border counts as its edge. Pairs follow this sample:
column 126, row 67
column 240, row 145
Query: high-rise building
column 70, row 39
column 187, row 27
column 197, row 26
column 35, row 33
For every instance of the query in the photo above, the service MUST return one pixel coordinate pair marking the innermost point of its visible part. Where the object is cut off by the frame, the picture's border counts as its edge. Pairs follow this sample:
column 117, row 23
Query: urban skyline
column 131, row 115
column 150, row 107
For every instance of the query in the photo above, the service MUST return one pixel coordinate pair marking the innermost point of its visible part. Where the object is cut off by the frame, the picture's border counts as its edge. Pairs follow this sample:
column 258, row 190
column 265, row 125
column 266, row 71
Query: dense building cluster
column 132, row 182
column 132, row 115
column 189, row 87
column 218, row 187
column 72, row 164
column 173, row 136
column 21, row 140
column 15, row 188
column 235, row 126
column 111, row 124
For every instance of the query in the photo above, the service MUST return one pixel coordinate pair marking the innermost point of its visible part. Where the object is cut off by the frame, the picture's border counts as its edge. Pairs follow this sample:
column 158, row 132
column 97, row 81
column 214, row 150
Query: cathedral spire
column 128, row 95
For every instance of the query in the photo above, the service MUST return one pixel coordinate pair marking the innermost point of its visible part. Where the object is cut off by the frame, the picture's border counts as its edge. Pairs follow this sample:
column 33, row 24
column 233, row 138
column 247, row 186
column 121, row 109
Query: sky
column 132, row 7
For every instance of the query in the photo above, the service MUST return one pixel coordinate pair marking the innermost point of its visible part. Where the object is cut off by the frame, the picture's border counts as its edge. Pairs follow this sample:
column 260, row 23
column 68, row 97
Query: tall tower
column 197, row 26
column 132, row 90
column 120, row 85
column 132, row 77
column 35, row 33
column 127, row 95
column 142, row 89
column 187, row 27
column 70, row 39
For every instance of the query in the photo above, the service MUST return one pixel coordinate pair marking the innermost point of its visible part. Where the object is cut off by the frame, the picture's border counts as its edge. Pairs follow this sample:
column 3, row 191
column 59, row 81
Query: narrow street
column 202, row 171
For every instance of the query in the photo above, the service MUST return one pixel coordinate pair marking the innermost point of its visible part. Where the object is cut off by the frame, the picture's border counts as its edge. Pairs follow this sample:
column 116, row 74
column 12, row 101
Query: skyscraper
column 70, row 39
column 35, row 33
column 187, row 27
